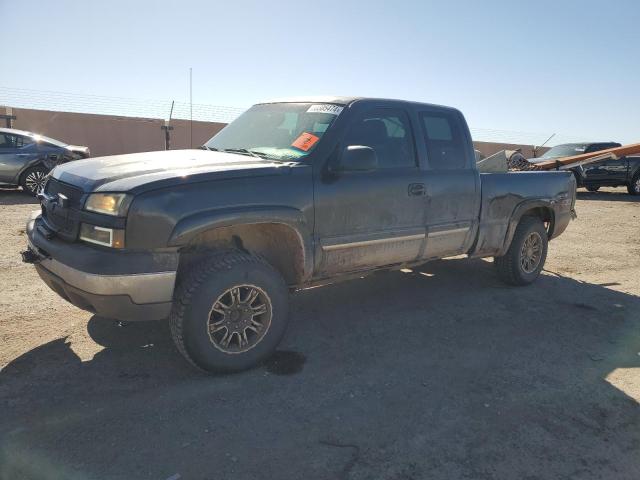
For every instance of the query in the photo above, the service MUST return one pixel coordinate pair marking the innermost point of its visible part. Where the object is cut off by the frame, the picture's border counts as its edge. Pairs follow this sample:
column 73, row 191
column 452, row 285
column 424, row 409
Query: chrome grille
column 74, row 194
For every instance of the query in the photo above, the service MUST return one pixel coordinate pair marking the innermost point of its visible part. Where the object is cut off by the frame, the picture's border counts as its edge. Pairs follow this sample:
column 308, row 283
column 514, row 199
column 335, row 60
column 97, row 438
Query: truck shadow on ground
column 437, row 372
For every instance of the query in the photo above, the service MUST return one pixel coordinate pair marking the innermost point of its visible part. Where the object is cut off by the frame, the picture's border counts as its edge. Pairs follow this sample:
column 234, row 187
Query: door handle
column 417, row 190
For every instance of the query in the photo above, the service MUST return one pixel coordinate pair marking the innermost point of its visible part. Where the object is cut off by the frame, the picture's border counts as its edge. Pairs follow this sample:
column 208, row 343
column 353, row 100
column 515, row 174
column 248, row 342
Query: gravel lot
column 439, row 373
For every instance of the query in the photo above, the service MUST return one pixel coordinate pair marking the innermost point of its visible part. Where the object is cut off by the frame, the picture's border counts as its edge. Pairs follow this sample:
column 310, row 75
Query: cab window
column 445, row 140
column 388, row 133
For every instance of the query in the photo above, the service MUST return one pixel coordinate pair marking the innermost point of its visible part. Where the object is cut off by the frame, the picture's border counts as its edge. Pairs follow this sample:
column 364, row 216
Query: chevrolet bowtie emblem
column 63, row 200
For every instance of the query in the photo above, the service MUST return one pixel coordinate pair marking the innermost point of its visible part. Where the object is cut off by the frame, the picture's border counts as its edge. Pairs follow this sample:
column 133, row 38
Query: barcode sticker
column 325, row 108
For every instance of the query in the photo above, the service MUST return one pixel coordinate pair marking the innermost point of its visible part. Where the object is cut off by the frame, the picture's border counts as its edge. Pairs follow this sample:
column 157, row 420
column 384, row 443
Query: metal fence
column 160, row 109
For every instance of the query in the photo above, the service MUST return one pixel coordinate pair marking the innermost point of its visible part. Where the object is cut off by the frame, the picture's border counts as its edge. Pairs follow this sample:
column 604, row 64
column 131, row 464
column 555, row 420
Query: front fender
column 190, row 227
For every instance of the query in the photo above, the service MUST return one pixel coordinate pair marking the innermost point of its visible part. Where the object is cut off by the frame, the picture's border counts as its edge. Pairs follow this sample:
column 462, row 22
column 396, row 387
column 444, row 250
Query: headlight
column 107, row 237
column 115, row 204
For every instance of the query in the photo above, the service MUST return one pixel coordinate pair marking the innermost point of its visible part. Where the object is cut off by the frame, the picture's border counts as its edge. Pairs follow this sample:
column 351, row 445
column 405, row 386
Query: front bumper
column 119, row 285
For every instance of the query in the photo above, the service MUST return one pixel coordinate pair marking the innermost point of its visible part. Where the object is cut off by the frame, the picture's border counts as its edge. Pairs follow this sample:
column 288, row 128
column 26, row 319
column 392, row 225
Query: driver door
column 367, row 219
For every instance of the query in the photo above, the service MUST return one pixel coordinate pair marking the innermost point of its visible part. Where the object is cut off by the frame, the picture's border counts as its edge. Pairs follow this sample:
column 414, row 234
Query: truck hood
column 123, row 173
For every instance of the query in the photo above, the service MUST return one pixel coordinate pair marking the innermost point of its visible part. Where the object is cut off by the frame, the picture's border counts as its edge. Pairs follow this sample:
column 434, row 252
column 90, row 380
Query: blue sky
column 540, row 67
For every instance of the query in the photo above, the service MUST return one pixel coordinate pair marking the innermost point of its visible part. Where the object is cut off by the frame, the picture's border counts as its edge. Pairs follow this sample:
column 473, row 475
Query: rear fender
column 524, row 208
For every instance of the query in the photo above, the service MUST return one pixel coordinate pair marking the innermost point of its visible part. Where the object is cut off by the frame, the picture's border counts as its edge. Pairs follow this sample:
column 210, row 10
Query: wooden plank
column 623, row 151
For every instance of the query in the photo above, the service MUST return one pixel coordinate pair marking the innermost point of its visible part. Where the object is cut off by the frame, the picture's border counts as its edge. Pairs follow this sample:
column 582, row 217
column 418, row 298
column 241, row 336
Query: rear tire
column 634, row 187
column 32, row 180
column 526, row 255
column 230, row 313
column 593, row 188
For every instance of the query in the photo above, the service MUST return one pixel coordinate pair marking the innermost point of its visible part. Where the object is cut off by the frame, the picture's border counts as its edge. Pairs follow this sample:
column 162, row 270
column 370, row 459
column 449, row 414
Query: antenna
column 190, row 107
column 535, row 149
column 545, row 142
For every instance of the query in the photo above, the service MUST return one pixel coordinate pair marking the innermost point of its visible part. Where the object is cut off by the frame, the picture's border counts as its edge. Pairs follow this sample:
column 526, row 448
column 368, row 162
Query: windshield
column 279, row 131
column 566, row 150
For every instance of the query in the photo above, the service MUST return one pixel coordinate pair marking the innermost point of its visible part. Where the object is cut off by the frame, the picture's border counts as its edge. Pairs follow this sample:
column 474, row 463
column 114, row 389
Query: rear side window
column 7, row 140
column 23, row 141
column 388, row 132
column 445, row 140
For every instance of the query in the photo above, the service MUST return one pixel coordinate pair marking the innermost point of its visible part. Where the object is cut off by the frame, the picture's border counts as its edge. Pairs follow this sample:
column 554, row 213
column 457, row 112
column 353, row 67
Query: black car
column 26, row 158
column 624, row 171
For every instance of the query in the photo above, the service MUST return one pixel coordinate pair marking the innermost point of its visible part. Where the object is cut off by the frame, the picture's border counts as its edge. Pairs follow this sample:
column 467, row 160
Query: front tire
column 526, row 255
column 634, row 187
column 33, row 178
column 230, row 313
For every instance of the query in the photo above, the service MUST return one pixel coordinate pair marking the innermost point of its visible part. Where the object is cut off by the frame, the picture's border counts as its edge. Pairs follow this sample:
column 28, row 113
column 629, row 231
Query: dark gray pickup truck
column 290, row 195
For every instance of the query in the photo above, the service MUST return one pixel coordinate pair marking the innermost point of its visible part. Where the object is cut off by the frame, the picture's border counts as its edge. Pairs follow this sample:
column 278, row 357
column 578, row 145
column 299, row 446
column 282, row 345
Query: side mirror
column 357, row 158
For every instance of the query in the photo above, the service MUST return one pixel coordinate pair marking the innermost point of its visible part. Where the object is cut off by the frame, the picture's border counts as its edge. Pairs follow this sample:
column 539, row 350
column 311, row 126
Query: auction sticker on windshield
column 305, row 141
column 325, row 108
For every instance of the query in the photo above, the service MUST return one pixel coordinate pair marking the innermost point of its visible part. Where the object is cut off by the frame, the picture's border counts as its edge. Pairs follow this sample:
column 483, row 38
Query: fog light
column 107, row 237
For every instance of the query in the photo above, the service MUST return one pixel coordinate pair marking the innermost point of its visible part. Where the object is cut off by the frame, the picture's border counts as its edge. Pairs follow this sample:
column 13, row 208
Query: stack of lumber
column 575, row 160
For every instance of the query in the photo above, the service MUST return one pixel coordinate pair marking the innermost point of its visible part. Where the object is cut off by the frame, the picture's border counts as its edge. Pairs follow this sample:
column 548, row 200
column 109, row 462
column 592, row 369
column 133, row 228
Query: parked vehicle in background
column 624, row 171
column 290, row 195
column 26, row 158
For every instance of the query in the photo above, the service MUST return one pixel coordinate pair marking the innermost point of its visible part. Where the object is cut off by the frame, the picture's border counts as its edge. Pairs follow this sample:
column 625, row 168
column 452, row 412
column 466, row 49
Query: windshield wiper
column 243, row 151
column 211, row 149
column 253, row 153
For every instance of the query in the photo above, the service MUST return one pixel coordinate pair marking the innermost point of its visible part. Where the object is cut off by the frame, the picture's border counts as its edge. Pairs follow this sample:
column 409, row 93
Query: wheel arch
column 39, row 161
column 279, row 236
column 541, row 209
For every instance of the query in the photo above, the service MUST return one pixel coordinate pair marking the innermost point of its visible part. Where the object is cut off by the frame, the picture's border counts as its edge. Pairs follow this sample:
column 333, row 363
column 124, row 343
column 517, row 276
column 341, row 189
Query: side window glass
column 7, row 140
column 388, row 132
column 445, row 141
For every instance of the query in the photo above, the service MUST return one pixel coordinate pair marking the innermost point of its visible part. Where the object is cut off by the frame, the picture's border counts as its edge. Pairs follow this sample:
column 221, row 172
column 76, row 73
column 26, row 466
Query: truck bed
column 503, row 194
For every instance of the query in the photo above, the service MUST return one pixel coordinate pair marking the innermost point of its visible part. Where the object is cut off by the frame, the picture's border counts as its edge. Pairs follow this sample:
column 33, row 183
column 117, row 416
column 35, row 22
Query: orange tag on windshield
column 305, row 141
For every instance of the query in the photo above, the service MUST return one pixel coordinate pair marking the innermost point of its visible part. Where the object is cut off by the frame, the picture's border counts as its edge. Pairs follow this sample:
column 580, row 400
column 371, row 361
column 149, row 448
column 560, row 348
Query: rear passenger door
column 452, row 183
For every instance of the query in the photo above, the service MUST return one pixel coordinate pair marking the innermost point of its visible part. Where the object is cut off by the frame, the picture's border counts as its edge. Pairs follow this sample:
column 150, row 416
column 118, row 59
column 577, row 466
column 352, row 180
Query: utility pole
column 167, row 128
column 9, row 117
column 190, row 107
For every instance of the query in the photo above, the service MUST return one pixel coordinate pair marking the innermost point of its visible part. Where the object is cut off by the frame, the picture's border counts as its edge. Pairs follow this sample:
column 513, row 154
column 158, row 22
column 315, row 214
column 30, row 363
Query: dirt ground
column 439, row 373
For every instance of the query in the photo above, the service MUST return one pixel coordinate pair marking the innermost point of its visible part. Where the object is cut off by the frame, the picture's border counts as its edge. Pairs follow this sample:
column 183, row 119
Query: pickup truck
column 612, row 172
column 292, row 194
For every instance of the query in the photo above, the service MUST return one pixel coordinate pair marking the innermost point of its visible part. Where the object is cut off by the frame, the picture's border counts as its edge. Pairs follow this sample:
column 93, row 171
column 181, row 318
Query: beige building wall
column 113, row 135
